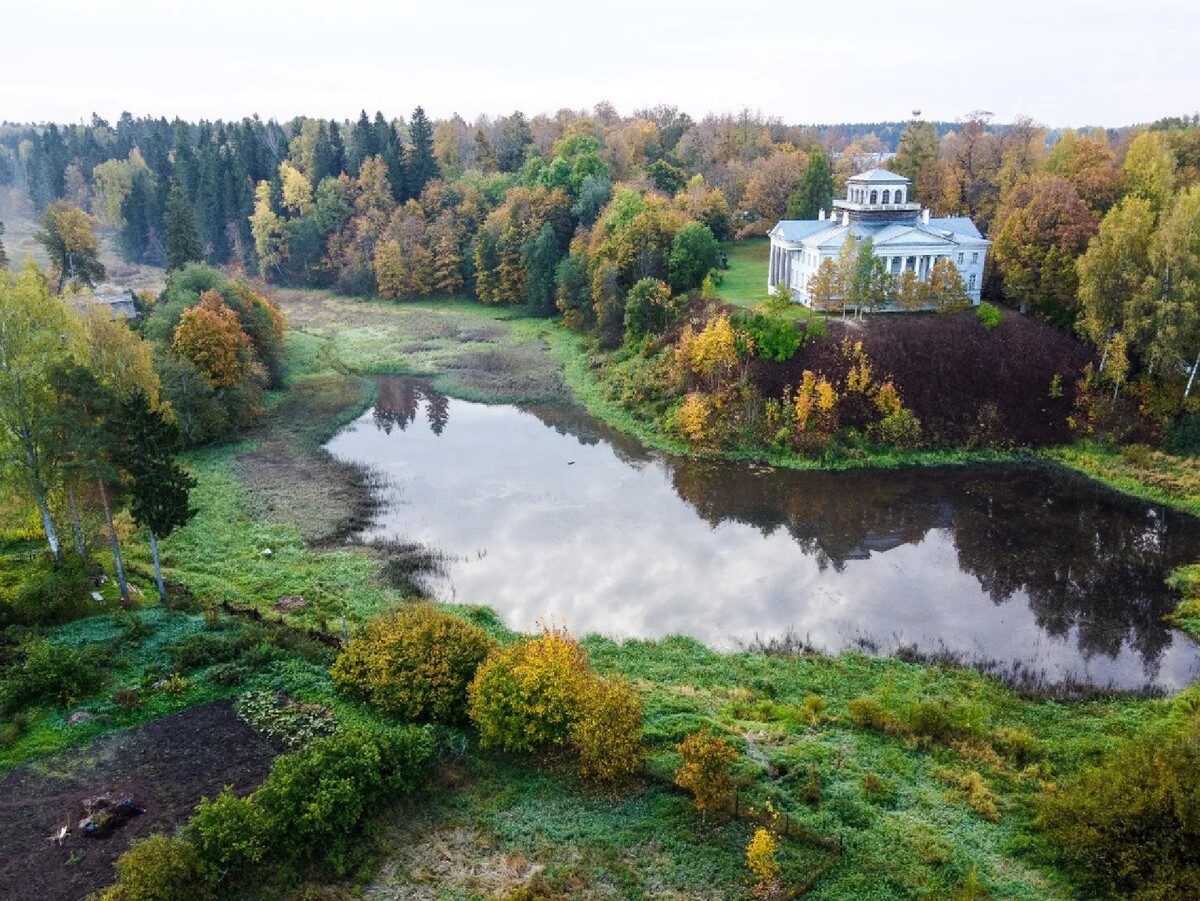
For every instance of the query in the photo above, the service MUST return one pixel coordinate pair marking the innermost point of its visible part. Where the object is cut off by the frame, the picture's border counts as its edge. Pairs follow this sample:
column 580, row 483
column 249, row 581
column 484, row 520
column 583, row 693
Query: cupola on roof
column 879, row 176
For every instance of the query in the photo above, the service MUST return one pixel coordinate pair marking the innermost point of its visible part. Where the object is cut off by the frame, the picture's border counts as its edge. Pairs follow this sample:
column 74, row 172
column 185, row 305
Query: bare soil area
column 165, row 766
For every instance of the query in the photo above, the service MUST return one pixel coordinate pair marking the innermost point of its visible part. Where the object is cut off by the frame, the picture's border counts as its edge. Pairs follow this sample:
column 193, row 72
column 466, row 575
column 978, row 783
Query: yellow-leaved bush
column 707, row 759
column 760, row 858
column 542, row 693
column 415, row 664
column 607, row 731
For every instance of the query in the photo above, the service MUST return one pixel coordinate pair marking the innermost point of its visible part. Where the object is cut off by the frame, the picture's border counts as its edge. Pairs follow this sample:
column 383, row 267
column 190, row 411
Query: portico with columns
column 877, row 206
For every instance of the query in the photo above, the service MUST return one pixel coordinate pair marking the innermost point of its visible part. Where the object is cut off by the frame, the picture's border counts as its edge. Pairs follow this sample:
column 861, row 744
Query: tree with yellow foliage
column 712, row 355
column 297, row 189
column 267, row 228
column 69, row 237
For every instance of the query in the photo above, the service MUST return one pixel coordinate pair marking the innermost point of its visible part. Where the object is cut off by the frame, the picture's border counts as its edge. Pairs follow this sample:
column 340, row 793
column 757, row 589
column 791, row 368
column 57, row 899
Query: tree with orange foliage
column 210, row 337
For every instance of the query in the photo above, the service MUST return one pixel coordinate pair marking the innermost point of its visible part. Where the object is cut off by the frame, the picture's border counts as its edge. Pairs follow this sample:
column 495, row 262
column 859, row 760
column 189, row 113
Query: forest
column 614, row 221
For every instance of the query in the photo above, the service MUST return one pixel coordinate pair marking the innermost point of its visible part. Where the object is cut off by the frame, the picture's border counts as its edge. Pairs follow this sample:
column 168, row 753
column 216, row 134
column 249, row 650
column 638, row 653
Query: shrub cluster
column 160, row 868
column 50, row 596
column 311, row 808
column 415, row 664
column 48, row 673
column 968, row 386
column 940, row 721
column 1132, row 824
column 541, row 694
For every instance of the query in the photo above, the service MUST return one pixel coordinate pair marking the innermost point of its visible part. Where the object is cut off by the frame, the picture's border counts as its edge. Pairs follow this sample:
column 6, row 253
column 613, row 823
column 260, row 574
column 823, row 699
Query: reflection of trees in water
column 1084, row 558
column 578, row 424
column 398, row 400
column 834, row 517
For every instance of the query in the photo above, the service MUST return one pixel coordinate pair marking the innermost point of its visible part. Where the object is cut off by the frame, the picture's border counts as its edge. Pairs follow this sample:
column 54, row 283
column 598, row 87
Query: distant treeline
column 568, row 212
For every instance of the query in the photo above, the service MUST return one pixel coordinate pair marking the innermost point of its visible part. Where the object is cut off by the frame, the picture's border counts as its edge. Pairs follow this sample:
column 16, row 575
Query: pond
column 1031, row 572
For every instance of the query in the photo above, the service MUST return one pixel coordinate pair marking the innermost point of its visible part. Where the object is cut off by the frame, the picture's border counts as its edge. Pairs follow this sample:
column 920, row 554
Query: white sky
column 1063, row 62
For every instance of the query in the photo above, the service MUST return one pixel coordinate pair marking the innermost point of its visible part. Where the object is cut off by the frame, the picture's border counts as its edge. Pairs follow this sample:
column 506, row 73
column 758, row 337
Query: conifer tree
column 160, row 487
column 420, row 165
column 182, row 233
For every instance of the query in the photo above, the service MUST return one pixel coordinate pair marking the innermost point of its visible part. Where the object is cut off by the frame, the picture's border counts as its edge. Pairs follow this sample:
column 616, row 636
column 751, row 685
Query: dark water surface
column 543, row 513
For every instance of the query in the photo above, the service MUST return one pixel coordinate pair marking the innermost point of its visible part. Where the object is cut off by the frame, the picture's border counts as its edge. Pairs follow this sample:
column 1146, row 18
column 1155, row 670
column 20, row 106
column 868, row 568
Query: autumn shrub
column 980, row 796
column 1132, row 824
column 525, row 697
column 49, row 673
column 869, row 712
column 161, row 868
column 813, row 710
column 415, row 664
column 942, row 720
column 705, row 771
column 607, row 731
column 1017, row 745
column 761, row 854
column 315, row 801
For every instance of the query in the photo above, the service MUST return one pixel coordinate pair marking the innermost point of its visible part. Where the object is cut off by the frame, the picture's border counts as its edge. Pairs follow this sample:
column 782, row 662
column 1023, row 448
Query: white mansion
column 903, row 236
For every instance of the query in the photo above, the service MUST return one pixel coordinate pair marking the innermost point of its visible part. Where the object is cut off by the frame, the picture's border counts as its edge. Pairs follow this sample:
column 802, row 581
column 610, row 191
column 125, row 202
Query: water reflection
column 547, row 512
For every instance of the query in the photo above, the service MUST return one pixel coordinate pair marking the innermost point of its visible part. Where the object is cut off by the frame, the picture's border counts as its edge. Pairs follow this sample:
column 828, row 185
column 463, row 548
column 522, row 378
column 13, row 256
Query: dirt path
column 165, row 766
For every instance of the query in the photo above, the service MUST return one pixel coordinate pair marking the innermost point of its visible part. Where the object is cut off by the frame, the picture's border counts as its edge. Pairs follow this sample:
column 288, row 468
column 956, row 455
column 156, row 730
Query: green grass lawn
column 745, row 281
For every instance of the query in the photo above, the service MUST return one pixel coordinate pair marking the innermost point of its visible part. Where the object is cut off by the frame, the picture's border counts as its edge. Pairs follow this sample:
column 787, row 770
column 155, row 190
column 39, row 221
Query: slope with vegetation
column 542, row 766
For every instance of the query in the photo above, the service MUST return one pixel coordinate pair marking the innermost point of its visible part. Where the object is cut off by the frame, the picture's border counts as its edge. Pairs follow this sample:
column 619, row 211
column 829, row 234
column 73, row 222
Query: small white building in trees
column 877, row 206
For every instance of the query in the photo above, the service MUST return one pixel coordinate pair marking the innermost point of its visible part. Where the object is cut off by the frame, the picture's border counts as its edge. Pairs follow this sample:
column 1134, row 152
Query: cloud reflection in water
column 545, row 513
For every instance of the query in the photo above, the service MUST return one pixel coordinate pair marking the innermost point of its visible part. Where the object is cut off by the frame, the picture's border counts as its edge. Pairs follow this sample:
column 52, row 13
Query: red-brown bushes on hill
column 969, row 386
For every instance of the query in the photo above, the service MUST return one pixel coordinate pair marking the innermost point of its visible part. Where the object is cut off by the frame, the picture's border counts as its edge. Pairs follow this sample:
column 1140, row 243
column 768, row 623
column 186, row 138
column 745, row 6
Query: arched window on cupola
column 874, row 197
column 899, row 195
column 887, row 197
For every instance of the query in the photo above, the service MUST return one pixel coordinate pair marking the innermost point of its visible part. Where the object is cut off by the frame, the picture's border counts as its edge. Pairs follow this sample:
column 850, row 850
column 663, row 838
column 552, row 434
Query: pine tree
column 160, row 487
column 420, row 165
column 182, row 233
column 362, row 145
column 3, row 254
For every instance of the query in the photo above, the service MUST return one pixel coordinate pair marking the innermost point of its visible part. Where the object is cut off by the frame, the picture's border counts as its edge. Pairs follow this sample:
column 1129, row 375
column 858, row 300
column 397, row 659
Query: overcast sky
column 1063, row 62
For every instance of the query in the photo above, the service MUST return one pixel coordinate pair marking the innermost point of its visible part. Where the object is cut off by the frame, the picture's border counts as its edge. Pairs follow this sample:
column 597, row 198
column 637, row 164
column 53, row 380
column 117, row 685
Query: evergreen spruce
column 420, row 165
column 160, row 486
column 182, row 233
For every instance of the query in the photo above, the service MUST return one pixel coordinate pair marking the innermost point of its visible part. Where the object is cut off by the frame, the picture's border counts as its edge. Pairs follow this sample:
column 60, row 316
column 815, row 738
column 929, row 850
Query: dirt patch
column 167, row 765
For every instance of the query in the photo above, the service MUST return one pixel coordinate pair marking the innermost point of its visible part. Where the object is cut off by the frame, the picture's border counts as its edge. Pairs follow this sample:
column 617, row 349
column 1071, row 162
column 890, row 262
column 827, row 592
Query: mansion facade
column 902, row 233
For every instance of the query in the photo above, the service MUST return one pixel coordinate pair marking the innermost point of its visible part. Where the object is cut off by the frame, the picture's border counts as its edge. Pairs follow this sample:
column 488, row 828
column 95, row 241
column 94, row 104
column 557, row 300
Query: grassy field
column 926, row 789
column 745, row 281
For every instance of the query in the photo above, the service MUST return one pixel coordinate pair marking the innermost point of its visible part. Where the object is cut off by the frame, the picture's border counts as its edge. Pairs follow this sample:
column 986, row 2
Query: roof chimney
column 821, row 215
column 845, row 217
column 925, row 215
